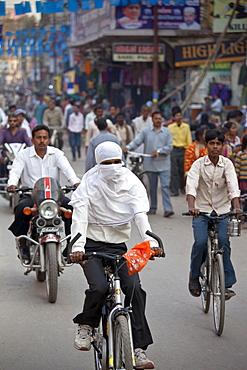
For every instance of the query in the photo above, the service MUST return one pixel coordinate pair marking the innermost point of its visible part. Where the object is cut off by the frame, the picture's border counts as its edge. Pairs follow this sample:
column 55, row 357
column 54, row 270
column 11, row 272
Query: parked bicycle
column 136, row 160
column 212, row 277
column 112, row 340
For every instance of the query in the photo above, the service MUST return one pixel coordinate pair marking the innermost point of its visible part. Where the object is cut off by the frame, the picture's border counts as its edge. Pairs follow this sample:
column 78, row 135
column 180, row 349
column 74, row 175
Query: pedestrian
column 181, row 139
column 102, row 136
column 109, row 197
column 157, row 141
column 142, row 121
column 92, row 129
column 196, row 149
column 54, row 119
column 124, row 131
column 211, row 187
column 75, row 127
column 241, row 171
column 23, row 122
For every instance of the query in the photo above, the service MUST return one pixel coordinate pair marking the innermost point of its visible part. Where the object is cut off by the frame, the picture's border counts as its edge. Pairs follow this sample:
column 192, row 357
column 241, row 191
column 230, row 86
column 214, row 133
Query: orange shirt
column 192, row 153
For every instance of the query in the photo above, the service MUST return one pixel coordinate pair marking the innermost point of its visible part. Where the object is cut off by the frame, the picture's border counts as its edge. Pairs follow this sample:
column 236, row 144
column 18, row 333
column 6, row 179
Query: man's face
column 157, row 120
column 189, row 18
column 178, row 117
column 99, row 112
column 12, row 121
column 112, row 111
column 20, row 118
column 41, row 140
column 76, row 109
column 51, row 105
column 120, row 120
column 145, row 112
column 132, row 11
column 214, row 148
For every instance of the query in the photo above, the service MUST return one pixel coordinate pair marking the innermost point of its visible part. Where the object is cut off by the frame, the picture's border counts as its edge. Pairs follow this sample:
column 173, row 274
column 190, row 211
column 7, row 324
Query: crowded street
column 36, row 334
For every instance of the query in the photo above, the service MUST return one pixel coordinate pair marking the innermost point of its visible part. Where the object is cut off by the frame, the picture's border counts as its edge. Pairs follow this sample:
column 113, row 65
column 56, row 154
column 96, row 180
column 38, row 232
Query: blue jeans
column 75, row 141
column 165, row 178
column 199, row 248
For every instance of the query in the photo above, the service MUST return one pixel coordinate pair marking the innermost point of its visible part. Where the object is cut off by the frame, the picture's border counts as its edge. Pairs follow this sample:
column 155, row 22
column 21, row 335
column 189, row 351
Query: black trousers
column 97, row 292
column 21, row 223
column 177, row 169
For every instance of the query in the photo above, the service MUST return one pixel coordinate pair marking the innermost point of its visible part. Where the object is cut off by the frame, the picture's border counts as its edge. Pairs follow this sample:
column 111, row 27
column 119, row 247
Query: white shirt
column 93, row 130
column 26, row 126
column 217, row 105
column 3, row 118
column 107, row 234
column 140, row 123
column 213, row 187
column 30, row 167
column 76, row 122
column 89, row 117
column 192, row 26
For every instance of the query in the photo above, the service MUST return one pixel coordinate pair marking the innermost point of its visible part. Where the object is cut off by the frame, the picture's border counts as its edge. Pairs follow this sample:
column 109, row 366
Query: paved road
column 38, row 335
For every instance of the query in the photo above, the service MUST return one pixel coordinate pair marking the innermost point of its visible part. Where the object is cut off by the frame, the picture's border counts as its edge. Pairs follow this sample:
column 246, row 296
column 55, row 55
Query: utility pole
column 155, row 97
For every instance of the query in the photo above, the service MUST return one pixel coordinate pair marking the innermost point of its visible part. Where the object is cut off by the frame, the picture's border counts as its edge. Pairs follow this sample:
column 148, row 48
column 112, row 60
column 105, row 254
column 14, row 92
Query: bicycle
column 212, row 278
column 136, row 160
column 112, row 340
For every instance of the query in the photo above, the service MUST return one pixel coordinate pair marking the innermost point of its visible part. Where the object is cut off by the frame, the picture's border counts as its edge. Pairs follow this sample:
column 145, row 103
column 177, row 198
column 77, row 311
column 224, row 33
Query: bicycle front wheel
column 146, row 182
column 122, row 344
column 218, row 289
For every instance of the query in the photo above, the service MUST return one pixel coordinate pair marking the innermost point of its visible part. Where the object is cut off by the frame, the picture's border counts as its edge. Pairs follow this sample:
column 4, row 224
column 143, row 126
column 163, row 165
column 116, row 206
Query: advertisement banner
column 183, row 15
column 130, row 52
column 1, row 32
column 222, row 12
column 196, row 54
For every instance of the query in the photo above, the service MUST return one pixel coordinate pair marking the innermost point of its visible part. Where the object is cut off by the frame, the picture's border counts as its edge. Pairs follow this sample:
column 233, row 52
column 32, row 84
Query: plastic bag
column 138, row 257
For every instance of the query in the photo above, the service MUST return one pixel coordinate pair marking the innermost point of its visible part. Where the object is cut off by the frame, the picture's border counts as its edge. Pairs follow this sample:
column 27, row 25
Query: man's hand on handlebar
column 11, row 189
column 77, row 257
column 158, row 252
column 77, row 184
column 194, row 212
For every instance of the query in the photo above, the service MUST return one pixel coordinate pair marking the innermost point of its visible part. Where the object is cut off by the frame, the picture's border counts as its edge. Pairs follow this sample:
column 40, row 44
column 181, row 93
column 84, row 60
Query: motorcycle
column 44, row 242
column 9, row 153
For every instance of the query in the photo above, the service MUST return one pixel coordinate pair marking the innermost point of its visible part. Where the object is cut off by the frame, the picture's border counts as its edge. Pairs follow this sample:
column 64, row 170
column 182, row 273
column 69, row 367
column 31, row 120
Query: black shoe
column 168, row 213
column 174, row 194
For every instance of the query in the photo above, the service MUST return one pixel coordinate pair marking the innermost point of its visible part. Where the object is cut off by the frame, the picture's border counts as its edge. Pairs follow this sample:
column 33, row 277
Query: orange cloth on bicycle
column 138, row 257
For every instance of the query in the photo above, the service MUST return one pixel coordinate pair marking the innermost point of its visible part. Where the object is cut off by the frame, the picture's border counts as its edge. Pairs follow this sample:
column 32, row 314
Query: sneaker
column 83, row 337
column 141, row 360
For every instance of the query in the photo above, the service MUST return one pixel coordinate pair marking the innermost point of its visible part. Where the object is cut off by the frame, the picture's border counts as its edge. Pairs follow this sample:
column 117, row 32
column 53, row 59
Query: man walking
column 157, row 141
column 181, row 139
column 54, row 119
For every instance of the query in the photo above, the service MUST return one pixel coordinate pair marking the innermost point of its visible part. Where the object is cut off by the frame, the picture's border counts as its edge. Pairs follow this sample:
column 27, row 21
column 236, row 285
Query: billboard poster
column 222, row 12
column 1, row 32
column 181, row 14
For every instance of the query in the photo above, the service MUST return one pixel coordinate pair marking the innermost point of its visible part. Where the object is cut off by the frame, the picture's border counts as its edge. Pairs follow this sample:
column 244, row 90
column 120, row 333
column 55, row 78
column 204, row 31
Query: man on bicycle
column 211, row 187
column 107, row 200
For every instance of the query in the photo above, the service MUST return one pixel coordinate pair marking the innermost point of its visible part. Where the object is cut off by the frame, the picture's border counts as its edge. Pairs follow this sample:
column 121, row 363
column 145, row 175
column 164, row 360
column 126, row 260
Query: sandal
column 195, row 287
column 229, row 294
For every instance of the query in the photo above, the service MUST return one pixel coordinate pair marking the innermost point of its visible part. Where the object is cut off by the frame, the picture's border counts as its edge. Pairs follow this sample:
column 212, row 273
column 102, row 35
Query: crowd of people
column 207, row 161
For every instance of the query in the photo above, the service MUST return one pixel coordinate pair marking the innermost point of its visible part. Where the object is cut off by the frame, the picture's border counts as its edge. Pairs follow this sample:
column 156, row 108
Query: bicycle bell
column 234, row 227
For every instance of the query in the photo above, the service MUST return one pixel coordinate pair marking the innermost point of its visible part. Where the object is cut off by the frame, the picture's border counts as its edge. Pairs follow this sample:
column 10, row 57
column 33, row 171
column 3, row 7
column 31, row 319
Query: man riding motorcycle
column 40, row 160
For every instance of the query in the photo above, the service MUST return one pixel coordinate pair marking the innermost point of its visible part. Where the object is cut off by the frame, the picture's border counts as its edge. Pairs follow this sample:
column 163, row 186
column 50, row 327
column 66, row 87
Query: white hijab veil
column 113, row 194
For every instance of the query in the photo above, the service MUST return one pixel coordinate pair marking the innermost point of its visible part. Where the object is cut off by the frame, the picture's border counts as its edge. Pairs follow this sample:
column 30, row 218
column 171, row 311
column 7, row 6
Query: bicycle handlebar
column 221, row 217
column 139, row 154
column 109, row 255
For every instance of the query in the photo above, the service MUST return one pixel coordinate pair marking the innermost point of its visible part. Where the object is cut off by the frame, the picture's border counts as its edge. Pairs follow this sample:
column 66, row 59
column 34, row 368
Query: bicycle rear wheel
column 218, row 289
column 122, row 345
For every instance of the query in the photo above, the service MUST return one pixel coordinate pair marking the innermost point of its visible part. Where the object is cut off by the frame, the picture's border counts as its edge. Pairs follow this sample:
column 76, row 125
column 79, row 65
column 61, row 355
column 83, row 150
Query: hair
column 200, row 131
column 233, row 114
column 229, row 124
column 101, row 123
column 204, row 119
column 53, row 101
column 120, row 114
column 12, row 106
column 244, row 142
column 176, row 110
column 156, row 112
column 214, row 134
column 97, row 107
column 12, row 115
column 41, row 127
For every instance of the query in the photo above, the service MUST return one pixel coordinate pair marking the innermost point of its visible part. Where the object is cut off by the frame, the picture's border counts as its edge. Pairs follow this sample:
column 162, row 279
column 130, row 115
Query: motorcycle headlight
column 48, row 209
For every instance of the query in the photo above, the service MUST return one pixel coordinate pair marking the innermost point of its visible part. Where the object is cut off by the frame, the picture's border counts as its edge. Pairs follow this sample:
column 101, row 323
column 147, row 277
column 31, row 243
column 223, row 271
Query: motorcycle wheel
column 51, row 271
